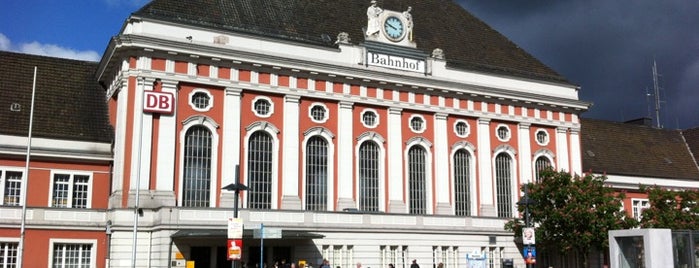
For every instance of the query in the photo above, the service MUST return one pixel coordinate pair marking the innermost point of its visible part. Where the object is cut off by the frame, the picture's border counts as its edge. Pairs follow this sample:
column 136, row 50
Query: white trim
column 194, row 107
column 424, row 123
column 633, row 182
column 428, row 174
column 513, row 176
column 326, row 112
column 473, row 189
column 71, row 184
column 377, row 121
column 509, row 133
column 468, row 128
column 328, row 136
column 3, row 180
column 93, row 249
column 211, row 125
column 260, row 98
column 273, row 131
column 379, row 140
column 547, row 139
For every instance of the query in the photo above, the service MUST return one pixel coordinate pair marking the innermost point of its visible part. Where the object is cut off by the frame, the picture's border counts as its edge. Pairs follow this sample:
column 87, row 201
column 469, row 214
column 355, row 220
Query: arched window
column 462, row 187
column 541, row 163
column 260, row 170
column 196, row 186
column 317, row 174
column 503, row 184
column 369, row 176
column 417, row 174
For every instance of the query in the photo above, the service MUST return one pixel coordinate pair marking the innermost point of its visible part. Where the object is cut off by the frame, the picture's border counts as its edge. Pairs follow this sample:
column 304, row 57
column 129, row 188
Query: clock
column 394, row 28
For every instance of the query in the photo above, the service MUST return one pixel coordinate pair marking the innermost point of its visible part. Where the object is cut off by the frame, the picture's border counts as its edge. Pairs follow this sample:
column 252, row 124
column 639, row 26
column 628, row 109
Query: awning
column 247, row 234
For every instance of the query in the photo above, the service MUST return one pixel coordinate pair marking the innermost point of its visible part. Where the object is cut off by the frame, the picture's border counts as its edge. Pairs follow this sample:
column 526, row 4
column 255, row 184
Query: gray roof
column 69, row 104
column 636, row 150
column 467, row 42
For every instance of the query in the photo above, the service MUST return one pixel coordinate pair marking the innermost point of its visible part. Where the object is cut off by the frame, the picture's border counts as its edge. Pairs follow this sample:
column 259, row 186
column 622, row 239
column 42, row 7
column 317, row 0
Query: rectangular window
column 69, row 255
column 11, row 189
column 339, row 255
column 397, row 255
column 8, row 254
column 494, row 256
column 446, row 255
column 638, row 205
column 70, row 190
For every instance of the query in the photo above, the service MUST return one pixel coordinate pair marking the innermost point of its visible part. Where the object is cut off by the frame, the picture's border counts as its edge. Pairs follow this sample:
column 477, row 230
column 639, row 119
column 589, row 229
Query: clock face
column 394, row 28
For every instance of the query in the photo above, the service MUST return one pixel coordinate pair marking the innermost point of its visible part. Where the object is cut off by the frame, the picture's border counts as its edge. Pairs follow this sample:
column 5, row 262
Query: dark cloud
column 608, row 48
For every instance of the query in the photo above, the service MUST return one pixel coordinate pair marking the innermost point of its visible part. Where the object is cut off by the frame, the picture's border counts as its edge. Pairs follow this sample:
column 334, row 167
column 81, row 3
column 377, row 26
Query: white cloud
column 51, row 50
column 4, row 42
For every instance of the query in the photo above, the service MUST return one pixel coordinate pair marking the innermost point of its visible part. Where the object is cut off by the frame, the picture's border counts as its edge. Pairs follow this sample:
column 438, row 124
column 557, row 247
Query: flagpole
column 20, row 249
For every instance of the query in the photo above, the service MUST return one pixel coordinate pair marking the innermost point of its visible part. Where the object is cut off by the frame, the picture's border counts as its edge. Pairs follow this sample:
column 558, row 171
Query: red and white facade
column 233, row 89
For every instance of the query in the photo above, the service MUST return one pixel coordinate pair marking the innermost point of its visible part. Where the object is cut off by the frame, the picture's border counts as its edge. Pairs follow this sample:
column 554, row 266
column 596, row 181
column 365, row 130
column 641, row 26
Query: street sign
column 235, row 228
column 267, row 233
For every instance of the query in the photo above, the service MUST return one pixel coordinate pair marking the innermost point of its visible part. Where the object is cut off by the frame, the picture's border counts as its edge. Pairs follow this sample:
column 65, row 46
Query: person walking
column 414, row 265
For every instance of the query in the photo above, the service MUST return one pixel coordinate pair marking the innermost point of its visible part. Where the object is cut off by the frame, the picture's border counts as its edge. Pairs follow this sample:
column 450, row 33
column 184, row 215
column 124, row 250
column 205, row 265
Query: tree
column 573, row 213
column 677, row 210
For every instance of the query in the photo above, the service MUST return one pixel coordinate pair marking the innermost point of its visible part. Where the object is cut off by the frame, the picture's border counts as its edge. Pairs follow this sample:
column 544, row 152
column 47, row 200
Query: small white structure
column 650, row 248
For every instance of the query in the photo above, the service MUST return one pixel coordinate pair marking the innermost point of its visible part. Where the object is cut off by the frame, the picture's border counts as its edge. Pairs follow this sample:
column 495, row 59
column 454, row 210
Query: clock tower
column 388, row 26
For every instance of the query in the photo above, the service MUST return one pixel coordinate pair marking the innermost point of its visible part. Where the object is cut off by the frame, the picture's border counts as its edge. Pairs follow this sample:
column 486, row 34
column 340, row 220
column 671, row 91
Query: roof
column 467, row 41
column 635, row 150
column 69, row 104
column 691, row 136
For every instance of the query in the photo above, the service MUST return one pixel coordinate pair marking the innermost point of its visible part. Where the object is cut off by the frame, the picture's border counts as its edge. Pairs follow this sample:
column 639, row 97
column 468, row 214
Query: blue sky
column 78, row 29
column 605, row 47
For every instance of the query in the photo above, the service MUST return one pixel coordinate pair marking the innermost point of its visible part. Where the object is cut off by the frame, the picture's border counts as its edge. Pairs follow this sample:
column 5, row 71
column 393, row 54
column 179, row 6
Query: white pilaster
column 290, row 154
column 441, row 164
column 142, row 142
column 167, row 138
column 345, row 153
column 562, row 149
column 525, row 153
column 485, row 169
column 230, row 142
column 575, row 152
column 396, row 203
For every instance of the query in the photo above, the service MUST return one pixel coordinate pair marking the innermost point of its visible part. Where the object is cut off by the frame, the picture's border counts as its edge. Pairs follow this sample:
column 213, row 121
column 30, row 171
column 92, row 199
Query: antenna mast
column 656, row 93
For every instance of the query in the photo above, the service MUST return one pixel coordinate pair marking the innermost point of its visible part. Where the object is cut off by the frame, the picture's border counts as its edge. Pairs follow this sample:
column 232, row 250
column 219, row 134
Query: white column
column 525, row 153
column 485, row 169
column 122, row 101
column 441, row 164
column 167, row 137
column 142, row 142
column 396, row 203
column 164, row 194
column 562, row 149
column 345, row 155
column 575, row 152
column 230, row 143
column 290, row 154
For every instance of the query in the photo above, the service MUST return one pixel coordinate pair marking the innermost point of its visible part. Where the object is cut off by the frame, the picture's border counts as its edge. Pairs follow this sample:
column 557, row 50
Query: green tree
column 677, row 210
column 573, row 213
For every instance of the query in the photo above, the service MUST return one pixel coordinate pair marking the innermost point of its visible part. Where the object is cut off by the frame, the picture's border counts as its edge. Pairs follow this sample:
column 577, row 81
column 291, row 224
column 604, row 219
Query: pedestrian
column 325, row 264
column 414, row 265
column 390, row 265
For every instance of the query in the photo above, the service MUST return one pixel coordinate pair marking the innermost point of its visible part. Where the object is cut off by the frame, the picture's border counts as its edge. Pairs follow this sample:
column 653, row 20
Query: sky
column 607, row 48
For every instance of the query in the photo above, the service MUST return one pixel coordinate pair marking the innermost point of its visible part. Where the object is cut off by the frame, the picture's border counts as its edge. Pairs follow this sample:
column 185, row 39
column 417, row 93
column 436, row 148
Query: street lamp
column 526, row 202
column 236, row 186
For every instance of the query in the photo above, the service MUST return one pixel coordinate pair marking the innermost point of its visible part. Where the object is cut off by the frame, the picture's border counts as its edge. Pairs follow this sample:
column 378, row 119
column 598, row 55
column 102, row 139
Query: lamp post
column 526, row 202
column 236, row 187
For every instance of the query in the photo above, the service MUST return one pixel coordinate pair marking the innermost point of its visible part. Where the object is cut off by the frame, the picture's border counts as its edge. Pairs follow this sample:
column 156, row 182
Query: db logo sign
column 158, row 102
